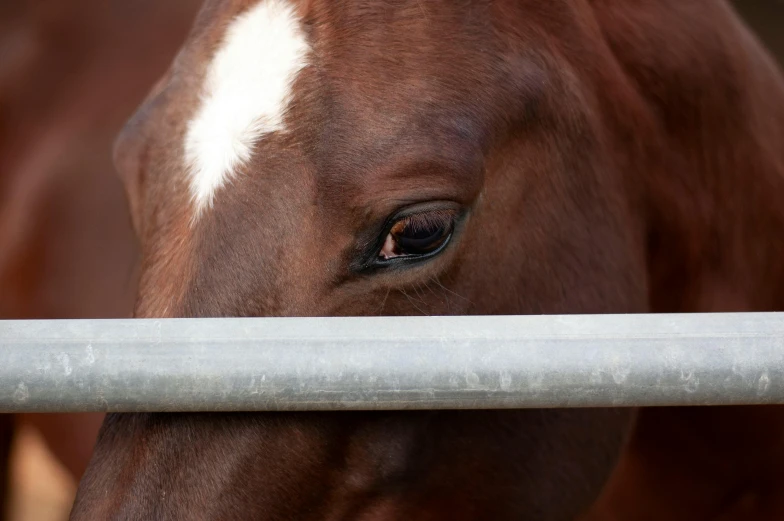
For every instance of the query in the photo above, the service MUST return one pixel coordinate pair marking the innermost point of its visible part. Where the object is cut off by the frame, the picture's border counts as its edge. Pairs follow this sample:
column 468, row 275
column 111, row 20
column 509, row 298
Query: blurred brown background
column 71, row 72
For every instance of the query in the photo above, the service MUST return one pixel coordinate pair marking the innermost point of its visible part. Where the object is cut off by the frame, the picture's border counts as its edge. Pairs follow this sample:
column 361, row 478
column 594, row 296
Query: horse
column 70, row 74
column 368, row 157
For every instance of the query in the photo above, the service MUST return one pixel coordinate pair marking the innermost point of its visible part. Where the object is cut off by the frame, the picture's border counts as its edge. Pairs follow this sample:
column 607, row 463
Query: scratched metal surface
column 391, row 363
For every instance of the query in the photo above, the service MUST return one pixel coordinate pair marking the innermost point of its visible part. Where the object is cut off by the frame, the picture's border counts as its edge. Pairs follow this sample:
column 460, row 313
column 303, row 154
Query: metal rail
column 391, row 363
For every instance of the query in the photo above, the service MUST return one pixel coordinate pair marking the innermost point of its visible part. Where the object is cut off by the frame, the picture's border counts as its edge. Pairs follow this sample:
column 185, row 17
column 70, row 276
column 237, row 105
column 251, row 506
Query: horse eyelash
column 427, row 220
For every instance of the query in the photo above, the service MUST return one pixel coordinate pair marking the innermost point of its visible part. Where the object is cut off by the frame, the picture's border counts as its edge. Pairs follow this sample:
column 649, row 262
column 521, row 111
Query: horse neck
column 715, row 186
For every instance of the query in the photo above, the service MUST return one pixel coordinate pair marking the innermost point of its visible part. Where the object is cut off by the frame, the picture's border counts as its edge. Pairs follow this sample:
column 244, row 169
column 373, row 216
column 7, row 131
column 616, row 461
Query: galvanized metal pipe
column 391, row 363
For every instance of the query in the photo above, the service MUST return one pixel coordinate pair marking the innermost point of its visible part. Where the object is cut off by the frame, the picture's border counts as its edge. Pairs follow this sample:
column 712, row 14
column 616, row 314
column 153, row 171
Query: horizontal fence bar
column 271, row 364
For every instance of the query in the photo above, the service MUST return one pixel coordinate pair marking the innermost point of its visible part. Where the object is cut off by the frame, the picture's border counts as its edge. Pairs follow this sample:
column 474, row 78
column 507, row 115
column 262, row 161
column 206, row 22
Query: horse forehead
column 244, row 94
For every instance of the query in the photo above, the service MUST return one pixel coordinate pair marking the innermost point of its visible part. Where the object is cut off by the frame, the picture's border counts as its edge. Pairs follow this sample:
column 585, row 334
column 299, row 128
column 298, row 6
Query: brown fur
column 611, row 156
column 6, row 441
column 70, row 73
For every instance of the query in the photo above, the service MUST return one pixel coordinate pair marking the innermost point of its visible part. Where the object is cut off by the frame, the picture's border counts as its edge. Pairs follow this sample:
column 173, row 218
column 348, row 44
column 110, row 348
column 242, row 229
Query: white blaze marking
column 245, row 95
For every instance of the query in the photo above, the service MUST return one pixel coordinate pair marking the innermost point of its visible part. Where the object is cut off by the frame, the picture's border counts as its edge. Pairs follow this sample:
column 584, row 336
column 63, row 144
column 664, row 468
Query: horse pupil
column 422, row 233
column 420, row 240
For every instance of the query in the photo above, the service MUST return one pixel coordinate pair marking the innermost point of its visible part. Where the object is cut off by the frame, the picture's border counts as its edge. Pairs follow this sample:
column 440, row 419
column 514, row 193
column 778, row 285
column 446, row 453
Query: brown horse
column 452, row 157
column 70, row 73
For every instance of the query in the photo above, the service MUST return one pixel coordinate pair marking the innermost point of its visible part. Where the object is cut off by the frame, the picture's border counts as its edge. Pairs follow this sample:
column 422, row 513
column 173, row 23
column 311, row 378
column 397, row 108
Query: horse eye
column 418, row 235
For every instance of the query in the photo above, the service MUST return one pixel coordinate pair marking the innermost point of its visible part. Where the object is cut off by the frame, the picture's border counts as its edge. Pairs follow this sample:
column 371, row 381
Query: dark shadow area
column 766, row 17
